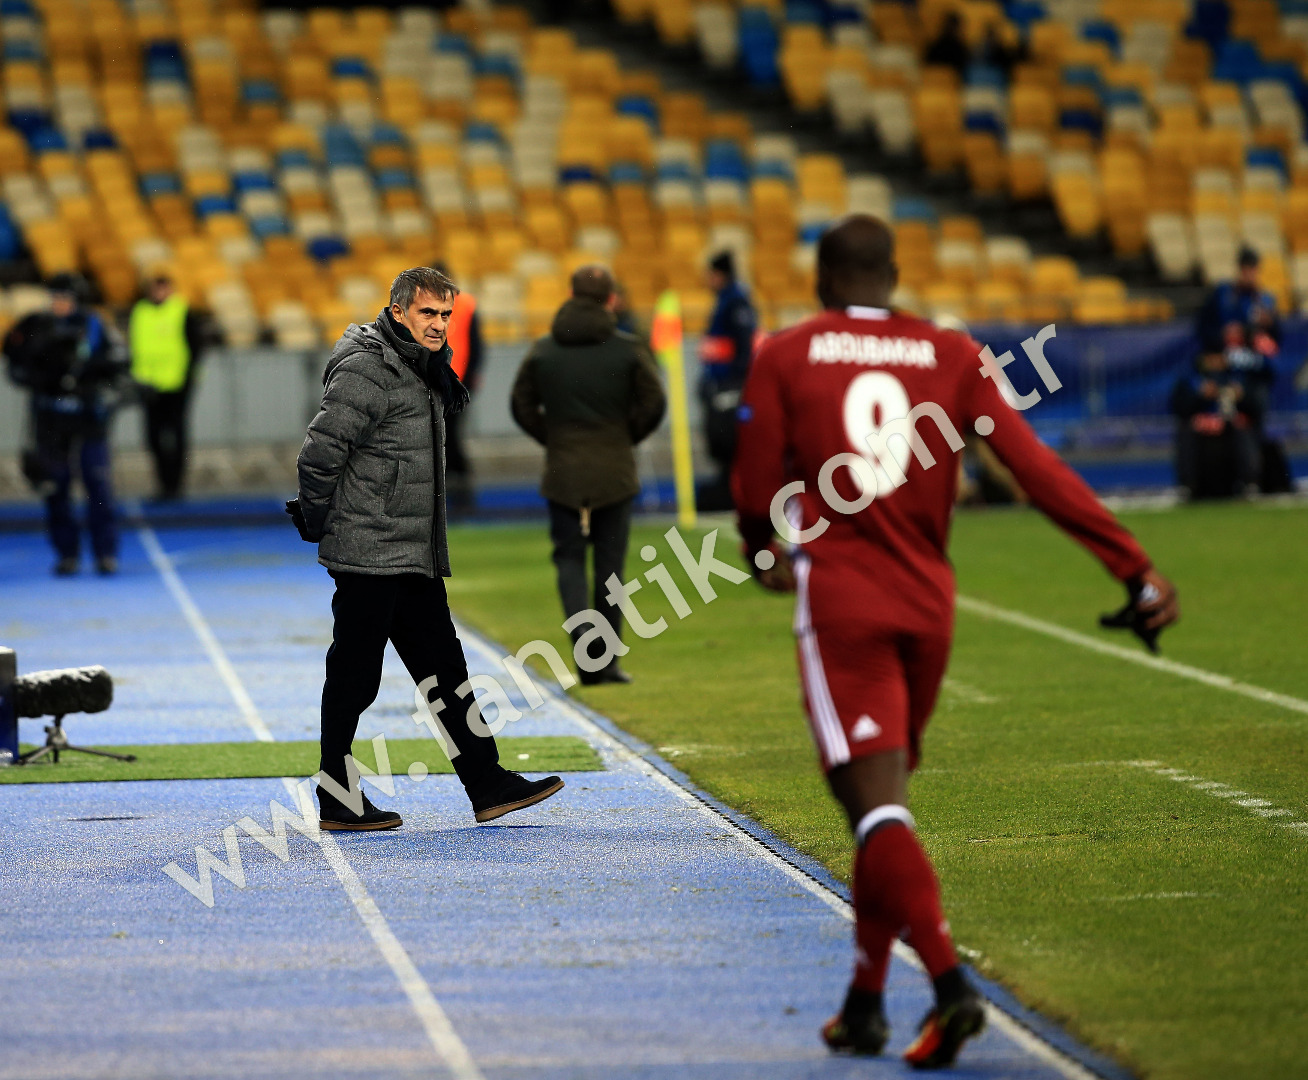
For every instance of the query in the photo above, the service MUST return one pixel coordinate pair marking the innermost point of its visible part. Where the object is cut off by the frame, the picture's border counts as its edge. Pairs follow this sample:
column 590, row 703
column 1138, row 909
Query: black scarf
column 433, row 368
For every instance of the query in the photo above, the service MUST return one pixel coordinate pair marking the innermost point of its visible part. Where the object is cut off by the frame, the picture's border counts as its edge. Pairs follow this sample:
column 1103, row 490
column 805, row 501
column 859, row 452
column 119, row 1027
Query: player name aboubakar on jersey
column 834, row 347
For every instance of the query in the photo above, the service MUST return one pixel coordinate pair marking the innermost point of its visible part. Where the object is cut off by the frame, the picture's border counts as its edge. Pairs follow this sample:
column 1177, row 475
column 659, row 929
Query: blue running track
column 624, row 929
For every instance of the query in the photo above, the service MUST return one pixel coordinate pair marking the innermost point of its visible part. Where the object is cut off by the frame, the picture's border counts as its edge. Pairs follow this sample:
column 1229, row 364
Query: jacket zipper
column 436, row 488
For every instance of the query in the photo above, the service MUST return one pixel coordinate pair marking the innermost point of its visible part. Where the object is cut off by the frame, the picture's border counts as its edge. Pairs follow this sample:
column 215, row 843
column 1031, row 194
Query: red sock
column 895, row 887
column 873, row 937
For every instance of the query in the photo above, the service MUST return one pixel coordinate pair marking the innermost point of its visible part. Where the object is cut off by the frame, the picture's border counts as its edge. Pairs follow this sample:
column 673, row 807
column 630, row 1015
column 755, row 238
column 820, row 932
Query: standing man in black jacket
column 372, row 496
column 75, row 372
column 589, row 393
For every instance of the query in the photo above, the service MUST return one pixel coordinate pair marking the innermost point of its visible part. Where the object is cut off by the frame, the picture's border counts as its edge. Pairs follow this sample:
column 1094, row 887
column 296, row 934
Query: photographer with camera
column 73, row 368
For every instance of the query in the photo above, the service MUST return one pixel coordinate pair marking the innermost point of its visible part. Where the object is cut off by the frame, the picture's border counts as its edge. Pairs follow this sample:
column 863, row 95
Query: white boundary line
column 1023, row 1037
column 440, row 1032
column 1253, row 804
column 217, row 656
column 1133, row 656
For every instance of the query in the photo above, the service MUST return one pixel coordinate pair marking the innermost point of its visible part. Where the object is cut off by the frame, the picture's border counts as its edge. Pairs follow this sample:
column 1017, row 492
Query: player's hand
column 780, row 576
column 1157, row 600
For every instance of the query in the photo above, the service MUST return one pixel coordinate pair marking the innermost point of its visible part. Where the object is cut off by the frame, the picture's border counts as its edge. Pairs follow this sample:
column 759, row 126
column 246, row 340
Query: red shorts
column 868, row 688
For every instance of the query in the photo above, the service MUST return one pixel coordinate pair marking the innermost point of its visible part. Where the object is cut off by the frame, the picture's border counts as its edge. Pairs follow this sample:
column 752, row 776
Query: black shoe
column 67, row 566
column 334, row 816
column 610, row 674
column 106, row 565
column 511, row 791
column 860, row 1027
column 944, row 1030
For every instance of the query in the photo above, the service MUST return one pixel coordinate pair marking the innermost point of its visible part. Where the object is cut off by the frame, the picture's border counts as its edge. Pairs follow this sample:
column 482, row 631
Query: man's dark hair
column 593, row 283
column 858, row 246
column 406, row 287
column 71, row 284
column 1248, row 257
column 724, row 262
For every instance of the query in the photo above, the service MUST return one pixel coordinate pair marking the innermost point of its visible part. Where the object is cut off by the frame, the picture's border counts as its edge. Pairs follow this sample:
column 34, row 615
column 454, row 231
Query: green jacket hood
column 581, row 321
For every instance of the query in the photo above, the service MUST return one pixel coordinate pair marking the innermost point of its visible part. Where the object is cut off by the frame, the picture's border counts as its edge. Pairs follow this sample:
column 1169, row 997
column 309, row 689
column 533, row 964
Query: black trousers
column 610, row 527
column 413, row 613
column 166, row 434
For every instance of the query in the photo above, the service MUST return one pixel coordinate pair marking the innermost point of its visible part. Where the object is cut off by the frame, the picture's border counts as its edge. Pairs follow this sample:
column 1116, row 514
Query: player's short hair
column 858, row 245
column 593, row 283
column 724, row 262
column 406, row 287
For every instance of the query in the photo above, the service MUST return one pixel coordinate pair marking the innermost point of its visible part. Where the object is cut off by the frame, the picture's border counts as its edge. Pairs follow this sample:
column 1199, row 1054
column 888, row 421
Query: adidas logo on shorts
column 864, row 728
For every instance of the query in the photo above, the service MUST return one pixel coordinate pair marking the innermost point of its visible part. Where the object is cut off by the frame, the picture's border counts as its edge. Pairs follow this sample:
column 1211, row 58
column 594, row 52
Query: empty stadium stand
column 1172, row 127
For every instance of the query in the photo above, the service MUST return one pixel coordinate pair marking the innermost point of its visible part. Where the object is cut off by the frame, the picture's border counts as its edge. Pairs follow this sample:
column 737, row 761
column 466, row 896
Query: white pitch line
column 217, row 656
column 1133, row 656
column 440, row 1032
column 433, row 1018
column 1263, row 808
column 1023, row 1037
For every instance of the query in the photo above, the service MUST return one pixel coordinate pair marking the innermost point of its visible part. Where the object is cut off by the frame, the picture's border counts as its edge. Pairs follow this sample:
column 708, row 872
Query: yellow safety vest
column 160, row 355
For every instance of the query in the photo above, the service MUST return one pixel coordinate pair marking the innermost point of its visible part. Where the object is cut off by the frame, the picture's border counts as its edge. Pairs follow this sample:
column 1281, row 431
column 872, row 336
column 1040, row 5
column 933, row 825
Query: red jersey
column 820, row 390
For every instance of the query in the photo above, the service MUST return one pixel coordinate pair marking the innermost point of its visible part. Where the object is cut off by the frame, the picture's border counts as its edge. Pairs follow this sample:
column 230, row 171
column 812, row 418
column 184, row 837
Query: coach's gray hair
column 406, row 287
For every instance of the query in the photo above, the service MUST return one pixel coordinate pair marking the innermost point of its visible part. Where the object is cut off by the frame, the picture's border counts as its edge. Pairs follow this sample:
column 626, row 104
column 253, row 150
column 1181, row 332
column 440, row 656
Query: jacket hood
column 355, row 339
column 581, row 321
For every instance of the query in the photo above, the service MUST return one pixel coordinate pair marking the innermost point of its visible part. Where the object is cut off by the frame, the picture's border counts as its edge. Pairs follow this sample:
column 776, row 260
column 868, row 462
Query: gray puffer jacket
column 372, row 468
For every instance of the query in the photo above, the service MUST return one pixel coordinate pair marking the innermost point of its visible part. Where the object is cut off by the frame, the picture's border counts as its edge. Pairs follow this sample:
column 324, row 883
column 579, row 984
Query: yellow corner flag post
column 665, row 336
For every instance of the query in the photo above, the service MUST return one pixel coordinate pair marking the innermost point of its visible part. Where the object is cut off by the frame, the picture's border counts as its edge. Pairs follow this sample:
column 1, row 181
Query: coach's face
column 427, row 319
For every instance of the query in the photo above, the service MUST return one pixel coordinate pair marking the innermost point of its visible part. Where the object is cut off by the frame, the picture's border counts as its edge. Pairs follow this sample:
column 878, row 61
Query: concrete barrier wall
column 248, row 397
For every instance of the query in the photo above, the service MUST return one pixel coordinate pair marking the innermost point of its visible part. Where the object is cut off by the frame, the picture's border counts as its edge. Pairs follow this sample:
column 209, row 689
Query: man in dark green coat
column 589, row 392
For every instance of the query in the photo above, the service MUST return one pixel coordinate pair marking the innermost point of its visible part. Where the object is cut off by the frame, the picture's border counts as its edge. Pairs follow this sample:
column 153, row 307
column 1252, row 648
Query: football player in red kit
column 851, row 420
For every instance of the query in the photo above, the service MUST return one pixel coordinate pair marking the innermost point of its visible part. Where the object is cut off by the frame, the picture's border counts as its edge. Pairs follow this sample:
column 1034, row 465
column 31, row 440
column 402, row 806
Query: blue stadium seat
column 351, row 67
column 576, row 174
column 774, row 169
column 985, row 75
column 454, row 43
column 21, row 49
column 1210, row 21
column 326, row 248
column 724, row 161
column 1081, row 120
column 11, row 240
column 1264, row 157
column 1100, row 30
column 758, row 46
column 639, row 105
column 252, row 181
column 46, row 139
column 213, row 204
column 28, row 122
column 392, row 179
column 1237, row 61
column 340, row 147
column 294, row 158
column 627, row 172
column 99, row 139
column 913, row 208
column 984, row 120
column 270, row 225
column 159, row 184
column 674, row 170
column 480, row 131
column 260, row 92
column 388, row 135
column 496, row 64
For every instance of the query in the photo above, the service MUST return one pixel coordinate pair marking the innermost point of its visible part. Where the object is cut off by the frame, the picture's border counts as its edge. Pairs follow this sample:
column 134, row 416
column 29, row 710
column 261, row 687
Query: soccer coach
column 372, row 496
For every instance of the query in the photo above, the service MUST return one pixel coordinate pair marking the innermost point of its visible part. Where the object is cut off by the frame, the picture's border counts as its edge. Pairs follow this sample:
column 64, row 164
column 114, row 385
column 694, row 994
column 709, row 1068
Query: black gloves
column 297, row 515
column 1132, row 618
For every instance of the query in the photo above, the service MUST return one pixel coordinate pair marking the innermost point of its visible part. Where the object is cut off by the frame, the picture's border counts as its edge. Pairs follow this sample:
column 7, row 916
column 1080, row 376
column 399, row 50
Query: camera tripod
column 56, row 741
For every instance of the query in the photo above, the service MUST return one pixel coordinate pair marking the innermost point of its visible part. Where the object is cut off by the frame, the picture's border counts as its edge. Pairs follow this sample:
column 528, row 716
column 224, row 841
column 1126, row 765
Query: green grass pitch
column 227, row 760
column 1161, row 924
